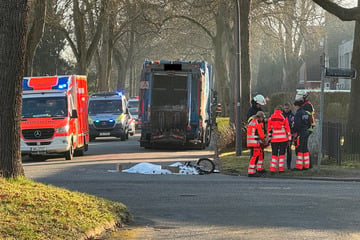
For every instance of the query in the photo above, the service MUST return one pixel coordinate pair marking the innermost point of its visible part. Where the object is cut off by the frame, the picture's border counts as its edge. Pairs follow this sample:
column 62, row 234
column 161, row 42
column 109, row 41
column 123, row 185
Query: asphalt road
column 211, row 206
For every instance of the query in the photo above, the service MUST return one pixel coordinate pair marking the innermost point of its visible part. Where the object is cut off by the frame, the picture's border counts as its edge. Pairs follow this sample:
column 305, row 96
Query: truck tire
column 69, row 155
column 207, row 135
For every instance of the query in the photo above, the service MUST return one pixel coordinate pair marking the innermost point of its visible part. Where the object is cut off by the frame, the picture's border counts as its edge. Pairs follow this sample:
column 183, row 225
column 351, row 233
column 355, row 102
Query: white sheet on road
column 149, row 168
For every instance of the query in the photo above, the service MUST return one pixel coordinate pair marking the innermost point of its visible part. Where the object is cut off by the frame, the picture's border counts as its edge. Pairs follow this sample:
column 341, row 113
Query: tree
column 12, row 54
column 36, row 25
column 73, row 20
column 350, row 14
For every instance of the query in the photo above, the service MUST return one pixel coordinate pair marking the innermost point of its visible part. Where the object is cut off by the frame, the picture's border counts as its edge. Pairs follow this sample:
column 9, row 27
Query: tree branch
column 345, row 14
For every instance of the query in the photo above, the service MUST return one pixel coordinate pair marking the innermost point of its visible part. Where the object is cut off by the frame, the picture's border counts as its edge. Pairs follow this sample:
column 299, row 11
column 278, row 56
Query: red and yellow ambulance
column 54, row 116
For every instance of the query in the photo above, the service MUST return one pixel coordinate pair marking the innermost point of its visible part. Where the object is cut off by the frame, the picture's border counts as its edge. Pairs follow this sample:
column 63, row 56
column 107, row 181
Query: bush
column 226, row 141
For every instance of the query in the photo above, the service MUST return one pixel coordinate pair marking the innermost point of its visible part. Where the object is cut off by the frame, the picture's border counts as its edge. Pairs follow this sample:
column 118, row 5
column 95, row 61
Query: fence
column 339, row 143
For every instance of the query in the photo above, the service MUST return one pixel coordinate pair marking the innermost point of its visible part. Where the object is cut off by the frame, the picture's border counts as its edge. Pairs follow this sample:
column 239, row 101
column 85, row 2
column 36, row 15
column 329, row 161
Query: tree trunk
column 103, row 63
column 12, row 55
column 354, row 107
column 245, row 56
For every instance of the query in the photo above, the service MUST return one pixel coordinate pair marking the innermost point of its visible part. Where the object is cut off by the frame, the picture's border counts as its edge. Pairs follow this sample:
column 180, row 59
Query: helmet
column 259, row 99
column 301, row 95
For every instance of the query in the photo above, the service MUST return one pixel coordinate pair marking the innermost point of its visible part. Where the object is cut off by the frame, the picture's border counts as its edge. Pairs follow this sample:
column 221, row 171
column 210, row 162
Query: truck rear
column 175, row 104
column 54, row 116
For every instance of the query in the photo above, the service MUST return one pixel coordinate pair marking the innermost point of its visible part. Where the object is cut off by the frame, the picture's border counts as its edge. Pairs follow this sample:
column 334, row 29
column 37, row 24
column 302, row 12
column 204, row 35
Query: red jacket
column 278, row 128
column 255, row 133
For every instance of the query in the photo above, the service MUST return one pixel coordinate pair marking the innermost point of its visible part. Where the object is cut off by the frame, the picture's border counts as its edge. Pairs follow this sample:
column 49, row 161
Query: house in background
column 310, row 70
column 344, row 61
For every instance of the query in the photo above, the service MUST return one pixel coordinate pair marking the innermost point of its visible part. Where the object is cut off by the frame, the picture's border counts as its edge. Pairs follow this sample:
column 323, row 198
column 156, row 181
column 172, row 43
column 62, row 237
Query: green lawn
column 31, row 210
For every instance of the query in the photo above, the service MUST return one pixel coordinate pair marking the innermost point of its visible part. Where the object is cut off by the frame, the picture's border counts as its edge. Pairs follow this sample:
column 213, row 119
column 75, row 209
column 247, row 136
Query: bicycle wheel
column 205, row 165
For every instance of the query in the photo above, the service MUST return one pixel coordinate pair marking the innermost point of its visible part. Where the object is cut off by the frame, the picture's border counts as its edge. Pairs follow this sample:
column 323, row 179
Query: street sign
column 340, row 72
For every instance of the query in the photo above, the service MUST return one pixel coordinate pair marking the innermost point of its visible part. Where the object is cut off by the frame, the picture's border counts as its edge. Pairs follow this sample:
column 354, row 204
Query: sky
column 348, row 3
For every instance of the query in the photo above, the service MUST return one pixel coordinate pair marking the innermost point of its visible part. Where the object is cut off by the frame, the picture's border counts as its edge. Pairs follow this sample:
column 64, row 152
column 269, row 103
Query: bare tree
column 72, row 18
column 290, row 26
column 12, row 54
column 36, row 25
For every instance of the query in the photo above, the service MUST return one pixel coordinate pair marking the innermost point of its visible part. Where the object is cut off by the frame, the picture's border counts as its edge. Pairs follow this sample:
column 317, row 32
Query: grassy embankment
column 31, row 210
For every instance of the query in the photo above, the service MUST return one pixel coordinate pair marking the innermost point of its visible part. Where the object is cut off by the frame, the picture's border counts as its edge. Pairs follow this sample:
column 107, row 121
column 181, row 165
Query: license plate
column 38, row 149
column 104, row 134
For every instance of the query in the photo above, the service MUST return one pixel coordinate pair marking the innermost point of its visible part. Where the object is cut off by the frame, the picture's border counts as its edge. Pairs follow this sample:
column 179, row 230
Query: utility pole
column 237, row 79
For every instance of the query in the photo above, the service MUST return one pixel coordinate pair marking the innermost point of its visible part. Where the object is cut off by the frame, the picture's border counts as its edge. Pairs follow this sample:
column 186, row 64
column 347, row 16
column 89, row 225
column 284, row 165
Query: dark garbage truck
column 175, row 104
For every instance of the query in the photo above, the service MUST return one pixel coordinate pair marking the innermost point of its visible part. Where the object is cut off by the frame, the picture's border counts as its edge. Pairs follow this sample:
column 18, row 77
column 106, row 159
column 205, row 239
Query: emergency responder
column 302, row 96
column 278, row 132
column 301, row 129
column 255, row 138
column 289, row 115
column 256, row 105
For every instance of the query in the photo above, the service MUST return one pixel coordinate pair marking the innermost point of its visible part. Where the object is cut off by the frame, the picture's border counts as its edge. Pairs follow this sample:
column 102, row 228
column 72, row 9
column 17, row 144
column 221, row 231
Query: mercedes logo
column 37, row 133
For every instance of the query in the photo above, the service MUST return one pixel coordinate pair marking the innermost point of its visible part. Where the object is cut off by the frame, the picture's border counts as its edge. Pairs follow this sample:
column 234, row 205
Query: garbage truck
column 175, row 104
column 54, row 119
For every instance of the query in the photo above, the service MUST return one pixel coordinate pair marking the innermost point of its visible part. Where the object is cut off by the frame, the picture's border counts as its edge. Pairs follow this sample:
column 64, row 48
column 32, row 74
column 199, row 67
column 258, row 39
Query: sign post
column 329, row 72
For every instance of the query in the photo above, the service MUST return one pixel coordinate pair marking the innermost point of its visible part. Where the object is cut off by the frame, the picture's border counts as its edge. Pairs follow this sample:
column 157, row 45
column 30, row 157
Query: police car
column 108, row 115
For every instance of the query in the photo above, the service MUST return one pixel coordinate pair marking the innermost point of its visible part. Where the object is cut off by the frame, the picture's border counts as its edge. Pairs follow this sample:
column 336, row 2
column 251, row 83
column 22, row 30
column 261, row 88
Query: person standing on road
column 256, row 105
column 279, row 135
column 301, row 129
column 302, row 96
column 255, row 139
column 289, row 115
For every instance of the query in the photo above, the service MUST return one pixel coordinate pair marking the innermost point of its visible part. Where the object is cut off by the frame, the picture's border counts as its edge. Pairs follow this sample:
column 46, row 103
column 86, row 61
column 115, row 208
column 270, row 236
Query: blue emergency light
column 63, row 83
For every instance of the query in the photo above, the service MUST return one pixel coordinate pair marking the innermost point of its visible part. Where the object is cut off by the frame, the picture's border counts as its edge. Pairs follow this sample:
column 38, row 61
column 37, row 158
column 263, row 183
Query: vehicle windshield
column 133, row 111
column 105, row 106
column 44, row 107
column 133, row 103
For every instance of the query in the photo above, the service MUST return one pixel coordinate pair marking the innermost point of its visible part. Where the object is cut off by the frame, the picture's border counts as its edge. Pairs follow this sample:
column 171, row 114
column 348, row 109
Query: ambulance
column 54, row 117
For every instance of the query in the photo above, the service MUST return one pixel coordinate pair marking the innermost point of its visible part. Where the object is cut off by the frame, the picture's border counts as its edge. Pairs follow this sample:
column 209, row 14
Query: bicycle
column 202, row 166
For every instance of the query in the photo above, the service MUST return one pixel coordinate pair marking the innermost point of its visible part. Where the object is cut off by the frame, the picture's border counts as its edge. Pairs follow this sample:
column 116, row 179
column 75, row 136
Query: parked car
column 132, row 124
column 134, row 113
column 133, row 103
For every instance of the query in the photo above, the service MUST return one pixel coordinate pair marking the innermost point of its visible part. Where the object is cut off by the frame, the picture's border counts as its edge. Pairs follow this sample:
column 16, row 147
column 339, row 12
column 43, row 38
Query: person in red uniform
column 279, row 135
column 255, row 139
column 301, row 128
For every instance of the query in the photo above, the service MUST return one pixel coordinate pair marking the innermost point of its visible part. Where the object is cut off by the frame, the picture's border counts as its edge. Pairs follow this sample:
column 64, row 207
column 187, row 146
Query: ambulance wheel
column 37, row 158
column 79, row 152
column 69, row 155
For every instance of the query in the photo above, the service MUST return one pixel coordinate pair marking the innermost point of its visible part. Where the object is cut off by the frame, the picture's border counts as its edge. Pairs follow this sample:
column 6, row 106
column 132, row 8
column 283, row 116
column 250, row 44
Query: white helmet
column 301, row 95
column 259, row 99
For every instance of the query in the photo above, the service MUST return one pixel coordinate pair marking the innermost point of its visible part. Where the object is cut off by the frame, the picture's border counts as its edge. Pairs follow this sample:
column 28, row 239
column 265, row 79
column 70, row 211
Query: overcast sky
column 348, row 3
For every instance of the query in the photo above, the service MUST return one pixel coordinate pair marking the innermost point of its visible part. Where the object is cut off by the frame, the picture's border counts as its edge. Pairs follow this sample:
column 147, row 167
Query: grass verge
column 31, row 210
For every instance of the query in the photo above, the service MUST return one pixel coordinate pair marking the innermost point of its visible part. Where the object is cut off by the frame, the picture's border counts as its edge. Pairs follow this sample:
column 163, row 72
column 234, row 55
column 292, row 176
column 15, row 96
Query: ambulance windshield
column 44, row 107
